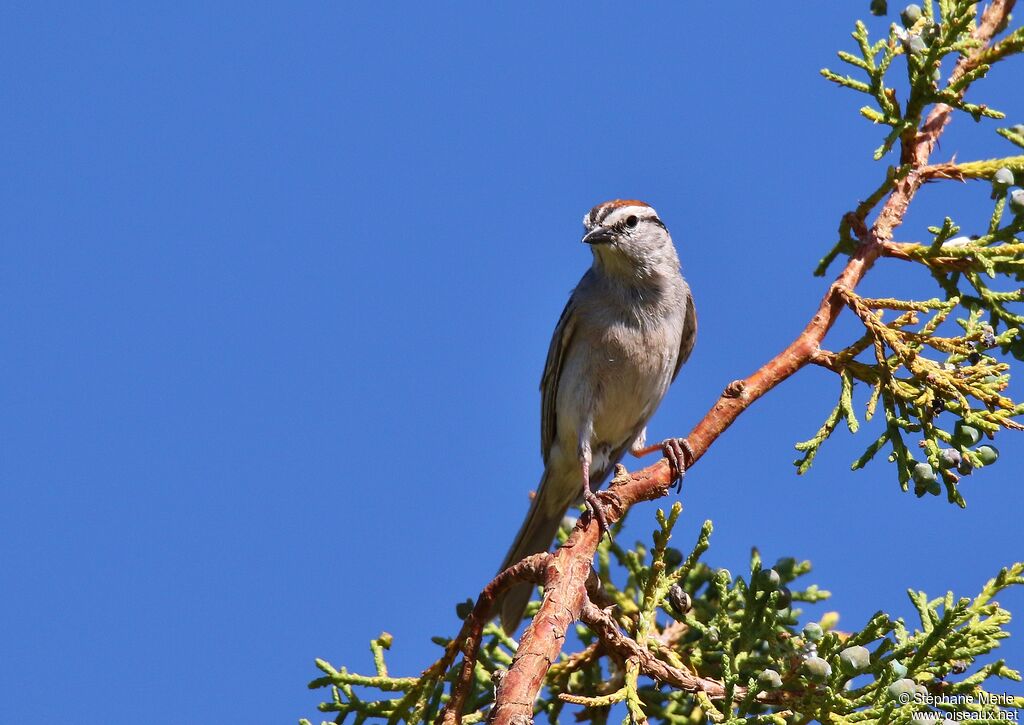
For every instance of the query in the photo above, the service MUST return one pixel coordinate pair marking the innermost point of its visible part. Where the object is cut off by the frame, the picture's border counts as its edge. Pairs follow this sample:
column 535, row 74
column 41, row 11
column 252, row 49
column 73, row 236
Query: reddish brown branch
column 614, row 640
column 530, row 569
column 567, row 570
column 806, row 346
column 943, row 170
column 565, row 587
column 902, row 251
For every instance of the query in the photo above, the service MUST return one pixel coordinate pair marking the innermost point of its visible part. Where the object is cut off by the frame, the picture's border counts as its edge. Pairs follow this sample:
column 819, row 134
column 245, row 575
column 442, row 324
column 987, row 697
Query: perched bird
column 627, row 329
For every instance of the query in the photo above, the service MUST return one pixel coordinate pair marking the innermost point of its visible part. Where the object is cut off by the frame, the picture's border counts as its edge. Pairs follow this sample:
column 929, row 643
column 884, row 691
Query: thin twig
column 530, row 569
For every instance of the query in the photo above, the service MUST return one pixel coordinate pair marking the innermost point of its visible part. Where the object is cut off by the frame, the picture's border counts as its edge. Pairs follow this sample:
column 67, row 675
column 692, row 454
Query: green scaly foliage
column 938, row 371
column 742, row 631
column 942, row 388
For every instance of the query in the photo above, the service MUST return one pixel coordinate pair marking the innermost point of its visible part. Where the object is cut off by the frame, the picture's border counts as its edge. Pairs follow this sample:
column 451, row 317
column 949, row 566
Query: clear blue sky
column 279, row 281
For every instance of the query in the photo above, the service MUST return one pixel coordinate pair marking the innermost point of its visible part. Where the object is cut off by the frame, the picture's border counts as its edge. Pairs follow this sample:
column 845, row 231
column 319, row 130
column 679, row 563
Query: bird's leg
column 679, row 453
column 594, row 506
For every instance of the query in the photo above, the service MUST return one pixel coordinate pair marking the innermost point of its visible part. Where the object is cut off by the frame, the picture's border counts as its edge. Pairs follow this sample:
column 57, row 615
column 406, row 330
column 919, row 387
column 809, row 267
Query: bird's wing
column 689, row 336
column 560, row 341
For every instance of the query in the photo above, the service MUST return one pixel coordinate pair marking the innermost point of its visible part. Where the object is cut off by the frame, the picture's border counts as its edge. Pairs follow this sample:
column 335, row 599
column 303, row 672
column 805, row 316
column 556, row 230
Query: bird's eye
column 632, row 221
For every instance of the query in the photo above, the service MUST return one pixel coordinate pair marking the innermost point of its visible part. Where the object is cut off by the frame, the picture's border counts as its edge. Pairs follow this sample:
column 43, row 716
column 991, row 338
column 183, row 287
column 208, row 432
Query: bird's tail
column 535, row 536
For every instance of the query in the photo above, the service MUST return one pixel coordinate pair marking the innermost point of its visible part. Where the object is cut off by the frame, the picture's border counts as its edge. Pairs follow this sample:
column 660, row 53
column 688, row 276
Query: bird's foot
column 596, row 508
column 680, row 455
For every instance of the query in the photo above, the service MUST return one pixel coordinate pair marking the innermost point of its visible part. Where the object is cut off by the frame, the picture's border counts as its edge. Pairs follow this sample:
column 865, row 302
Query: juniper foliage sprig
column 742, row 632
column 1014, row 134
column 941, row 387
column 948, row 390
column 928, row 35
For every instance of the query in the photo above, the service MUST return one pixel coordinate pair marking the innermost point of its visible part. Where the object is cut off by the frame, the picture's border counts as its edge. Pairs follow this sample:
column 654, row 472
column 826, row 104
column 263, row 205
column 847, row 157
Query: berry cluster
column 961, row 459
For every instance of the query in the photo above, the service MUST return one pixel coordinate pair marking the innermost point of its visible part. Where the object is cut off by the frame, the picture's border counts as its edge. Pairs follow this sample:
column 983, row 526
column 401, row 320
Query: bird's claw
column 596, row 508
column 680, row 455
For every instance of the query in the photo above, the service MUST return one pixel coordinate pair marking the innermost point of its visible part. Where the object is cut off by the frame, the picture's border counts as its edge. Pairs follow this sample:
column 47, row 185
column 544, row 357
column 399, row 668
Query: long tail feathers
column 535, row 535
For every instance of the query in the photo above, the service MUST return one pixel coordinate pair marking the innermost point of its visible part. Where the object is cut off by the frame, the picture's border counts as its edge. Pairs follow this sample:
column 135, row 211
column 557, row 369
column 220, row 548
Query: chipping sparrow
column 627, row 329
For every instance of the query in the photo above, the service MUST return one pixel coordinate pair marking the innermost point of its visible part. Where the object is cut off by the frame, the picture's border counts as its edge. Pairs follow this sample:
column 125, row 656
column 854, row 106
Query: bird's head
column 628, row 239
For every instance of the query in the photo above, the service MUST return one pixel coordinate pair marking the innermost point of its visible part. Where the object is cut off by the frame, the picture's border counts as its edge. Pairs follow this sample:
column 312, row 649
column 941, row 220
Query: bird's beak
column 600, row 235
